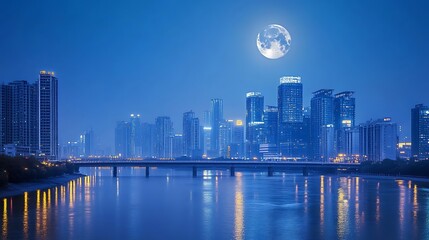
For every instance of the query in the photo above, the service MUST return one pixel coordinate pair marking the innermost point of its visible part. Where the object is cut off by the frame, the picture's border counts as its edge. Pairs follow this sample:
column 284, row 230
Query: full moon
column 274, row 41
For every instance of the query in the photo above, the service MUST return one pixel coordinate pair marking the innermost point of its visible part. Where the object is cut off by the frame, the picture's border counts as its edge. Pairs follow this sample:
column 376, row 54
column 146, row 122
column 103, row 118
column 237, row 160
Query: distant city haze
column 165, row 58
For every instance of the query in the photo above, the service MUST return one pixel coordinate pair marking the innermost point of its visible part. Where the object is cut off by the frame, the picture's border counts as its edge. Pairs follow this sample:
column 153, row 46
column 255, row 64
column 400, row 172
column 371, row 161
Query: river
column 171, row 204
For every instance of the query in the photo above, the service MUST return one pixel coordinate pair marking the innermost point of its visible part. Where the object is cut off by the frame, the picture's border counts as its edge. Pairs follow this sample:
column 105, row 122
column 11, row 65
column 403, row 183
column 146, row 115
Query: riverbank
column 14, row 189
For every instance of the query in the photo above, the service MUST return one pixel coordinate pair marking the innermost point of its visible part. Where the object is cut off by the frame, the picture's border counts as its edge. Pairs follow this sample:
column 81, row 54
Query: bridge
column 270, row 166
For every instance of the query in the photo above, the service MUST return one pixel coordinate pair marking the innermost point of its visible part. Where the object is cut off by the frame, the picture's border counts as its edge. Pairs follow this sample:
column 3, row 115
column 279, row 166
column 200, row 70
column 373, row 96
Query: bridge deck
column 210, row 163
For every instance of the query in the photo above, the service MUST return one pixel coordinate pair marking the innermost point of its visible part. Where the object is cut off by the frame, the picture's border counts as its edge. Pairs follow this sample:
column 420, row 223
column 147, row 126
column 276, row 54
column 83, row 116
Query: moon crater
column 274, row 41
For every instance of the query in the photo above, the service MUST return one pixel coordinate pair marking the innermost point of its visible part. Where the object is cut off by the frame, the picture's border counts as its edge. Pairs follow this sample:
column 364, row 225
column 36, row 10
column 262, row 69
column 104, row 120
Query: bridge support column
column 115, row 171
column 147, row 171
column 270, row 171
column 232, row 171
column 194, row 171
column 305, row 171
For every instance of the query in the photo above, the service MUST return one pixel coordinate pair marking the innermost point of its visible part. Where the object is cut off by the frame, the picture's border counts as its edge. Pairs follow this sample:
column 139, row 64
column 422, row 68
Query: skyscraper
column 122, row 139
column 269, row 149
column 148, row 140
column 19, row 126
column 48, row 114
column 271, row 124
column 237, row 140
column 87, row 143
column 164, row 135
column 420, row 132
column 206, row 132
column 322, row 115
column 344, row 118
column 216, row 121
column 135, row 136
column 191, row 135
column 290, row 115
column 177, row 146
column 254, row 123
column 378, row 140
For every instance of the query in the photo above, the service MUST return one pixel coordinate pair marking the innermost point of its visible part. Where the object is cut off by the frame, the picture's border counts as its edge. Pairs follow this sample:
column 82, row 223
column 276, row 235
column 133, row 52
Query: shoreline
column 16, row 189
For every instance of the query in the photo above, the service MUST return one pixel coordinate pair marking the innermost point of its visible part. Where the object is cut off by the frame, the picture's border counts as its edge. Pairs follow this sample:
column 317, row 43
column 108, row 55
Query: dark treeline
column 397, row 167
column 23, row 169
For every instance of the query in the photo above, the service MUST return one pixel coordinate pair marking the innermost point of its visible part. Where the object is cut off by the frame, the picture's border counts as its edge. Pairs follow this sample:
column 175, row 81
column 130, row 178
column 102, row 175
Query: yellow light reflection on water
column 5, row 219
column 357, row 213
column 343, row 196
column 342, row 209
column 44, row 225
column 25, row 217
column 38, row 213
column 239, row 209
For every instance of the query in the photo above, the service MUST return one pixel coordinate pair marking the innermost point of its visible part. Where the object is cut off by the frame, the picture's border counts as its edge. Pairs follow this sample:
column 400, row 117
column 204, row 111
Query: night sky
column 156, row 58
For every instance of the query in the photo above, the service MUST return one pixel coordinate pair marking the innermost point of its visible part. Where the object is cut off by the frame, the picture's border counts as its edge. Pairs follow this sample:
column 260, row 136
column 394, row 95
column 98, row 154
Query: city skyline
column 332, row 47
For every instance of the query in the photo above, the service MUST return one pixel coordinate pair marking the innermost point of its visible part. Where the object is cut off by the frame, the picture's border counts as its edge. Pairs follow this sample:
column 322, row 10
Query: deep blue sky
column 155, row 58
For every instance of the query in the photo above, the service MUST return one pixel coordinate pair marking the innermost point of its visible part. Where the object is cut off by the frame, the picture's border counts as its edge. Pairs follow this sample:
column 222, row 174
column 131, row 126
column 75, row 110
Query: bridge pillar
column 147, row 171
column 194, row 171
column 115, row 171
column 305, row 171
column 270, row 171
column 232, row 171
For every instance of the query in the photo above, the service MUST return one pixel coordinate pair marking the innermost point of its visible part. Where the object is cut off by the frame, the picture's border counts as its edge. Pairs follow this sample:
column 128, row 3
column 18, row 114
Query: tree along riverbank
column 27, row 169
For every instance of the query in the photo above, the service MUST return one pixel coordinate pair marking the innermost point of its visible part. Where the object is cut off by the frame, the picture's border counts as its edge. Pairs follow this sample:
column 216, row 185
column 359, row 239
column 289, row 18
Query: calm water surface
column 170, row 204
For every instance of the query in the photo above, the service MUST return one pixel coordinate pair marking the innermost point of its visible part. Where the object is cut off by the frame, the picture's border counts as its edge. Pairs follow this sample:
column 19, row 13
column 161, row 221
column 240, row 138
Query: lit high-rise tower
column 291, row 141
column 19, row 111
column 48, row 115
column 254, row 123
column 216, row 121
column 164, row 135
column 420, row 132
column 322, row 120
column 191, row 135
column 344, row 118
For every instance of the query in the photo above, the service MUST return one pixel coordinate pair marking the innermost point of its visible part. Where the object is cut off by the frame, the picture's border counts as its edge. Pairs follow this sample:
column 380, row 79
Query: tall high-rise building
column 291, row 142
column 148, row 140
column 87, row 143
column 344, row 118
column 378, row 140
column 135, row 136
column 48, row 114
column 129, row 138
column 322, row 115
column 216, row 121
column 236, row 147
column 352, row 142
column 177, row 146
column 164, row 134
column 269, row 149
column 191, row 135
column 271, row 124
column 225, row 138
column 5, row 116
column 122, row 139
column 420, row 132
column 206, row 132
column 327, row 139
column 254, row 123
column 19, row 104
column 187, row 132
